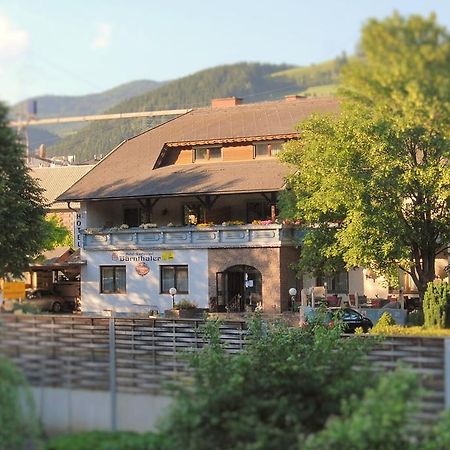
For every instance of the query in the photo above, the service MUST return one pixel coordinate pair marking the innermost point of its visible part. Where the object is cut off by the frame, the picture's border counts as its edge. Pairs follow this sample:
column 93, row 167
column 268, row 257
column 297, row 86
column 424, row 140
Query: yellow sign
column 13, row 289
column 167, row 256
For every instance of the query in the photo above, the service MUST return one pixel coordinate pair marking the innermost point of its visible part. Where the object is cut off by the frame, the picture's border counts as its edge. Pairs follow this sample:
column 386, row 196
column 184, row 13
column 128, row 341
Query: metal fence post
column 447, row 372
column 112, row 371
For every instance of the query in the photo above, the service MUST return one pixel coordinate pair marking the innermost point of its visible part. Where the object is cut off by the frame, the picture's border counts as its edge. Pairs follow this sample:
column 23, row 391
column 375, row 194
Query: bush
column 185, row 304
column 415, row 318
column 104, row 440
column 378, row 420
column 436, row 305
column 399, row 330
column 19, row 427
column 287, row 381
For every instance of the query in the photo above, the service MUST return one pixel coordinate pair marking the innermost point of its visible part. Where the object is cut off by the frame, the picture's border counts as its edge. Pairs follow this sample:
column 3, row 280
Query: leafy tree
column 56, row 234
column 372, row 185
column 21, row 205
column 287, row 382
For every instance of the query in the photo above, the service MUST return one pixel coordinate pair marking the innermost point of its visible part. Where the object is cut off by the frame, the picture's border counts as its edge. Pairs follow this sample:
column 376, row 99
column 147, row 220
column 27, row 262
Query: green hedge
column 104, row 440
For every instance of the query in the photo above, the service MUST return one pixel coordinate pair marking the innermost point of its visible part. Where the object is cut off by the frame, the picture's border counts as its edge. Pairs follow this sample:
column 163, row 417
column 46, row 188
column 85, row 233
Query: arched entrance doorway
column 239, row 288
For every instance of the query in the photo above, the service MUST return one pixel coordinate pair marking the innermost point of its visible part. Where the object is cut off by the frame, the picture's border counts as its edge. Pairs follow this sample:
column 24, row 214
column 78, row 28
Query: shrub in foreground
column 104, row 440
column 380, row 420
column 19, row 427
column 287, row 382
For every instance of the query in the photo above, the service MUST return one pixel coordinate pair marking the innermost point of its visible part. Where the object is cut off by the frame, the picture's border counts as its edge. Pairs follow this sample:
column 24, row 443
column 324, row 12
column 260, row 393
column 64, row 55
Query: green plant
column 19, row 427
column 104, row 440
column 436, row 305
column 285, row 382
column 25, row 307
column 415, row 318
column 386, row 320
column 377, row 421
column 185, row 304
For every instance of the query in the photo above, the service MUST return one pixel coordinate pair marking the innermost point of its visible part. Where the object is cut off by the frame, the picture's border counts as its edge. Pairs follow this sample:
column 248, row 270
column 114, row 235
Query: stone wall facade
column 273, row 263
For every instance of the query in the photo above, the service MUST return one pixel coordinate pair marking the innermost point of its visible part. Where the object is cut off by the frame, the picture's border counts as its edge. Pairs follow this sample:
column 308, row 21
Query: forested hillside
column 252, row 81
column 61, row 106
column 316, row 79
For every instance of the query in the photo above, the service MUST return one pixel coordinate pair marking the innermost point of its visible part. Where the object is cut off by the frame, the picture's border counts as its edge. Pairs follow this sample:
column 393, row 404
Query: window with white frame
column 174, row 276
column 267, row 149
column 113, row 279
column 207, row 153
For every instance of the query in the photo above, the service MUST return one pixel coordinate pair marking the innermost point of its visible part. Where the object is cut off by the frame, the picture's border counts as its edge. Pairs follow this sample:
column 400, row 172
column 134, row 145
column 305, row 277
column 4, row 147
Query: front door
column 238, row 288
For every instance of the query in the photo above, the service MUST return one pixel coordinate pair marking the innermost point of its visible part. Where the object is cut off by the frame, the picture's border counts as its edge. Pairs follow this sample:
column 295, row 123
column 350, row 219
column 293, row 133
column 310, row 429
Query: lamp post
column 292, row 293
column 172, row 292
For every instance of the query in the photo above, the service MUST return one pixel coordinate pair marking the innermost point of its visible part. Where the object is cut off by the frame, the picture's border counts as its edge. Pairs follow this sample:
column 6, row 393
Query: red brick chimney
column 293, row 97
column 225, row 102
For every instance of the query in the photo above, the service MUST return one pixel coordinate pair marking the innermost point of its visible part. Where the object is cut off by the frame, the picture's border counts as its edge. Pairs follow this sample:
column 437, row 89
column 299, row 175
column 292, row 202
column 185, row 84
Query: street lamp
column 292, row 293
column 172, row 292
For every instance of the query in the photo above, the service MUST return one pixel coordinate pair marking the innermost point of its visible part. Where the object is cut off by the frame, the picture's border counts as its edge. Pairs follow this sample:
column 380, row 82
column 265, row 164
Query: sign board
column 79, row 225
column 13, row 289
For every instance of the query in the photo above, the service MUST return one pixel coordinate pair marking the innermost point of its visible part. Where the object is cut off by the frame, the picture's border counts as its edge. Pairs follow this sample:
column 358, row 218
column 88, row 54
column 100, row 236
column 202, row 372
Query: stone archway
column 239, row 288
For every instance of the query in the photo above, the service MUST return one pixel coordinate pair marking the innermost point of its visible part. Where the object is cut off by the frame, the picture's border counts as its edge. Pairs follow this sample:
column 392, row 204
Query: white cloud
column 103, row 36
column 13, row 41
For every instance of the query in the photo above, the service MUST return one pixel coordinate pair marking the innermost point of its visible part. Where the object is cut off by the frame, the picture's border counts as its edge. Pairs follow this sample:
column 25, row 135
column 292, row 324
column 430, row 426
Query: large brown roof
column 130, row 170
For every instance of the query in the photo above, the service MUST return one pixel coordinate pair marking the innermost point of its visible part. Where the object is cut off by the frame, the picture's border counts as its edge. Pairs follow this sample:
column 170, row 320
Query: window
column 258, row 211
column 132, row 217
column 113, row 279
column 337, row 283
column 207, row 153
column 266, row 149
column 193, row 214
column 174, row 276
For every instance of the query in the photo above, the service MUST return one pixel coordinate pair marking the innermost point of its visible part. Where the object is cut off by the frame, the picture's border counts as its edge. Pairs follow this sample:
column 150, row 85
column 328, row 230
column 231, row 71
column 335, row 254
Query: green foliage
column 185, row 304
column 104, row 440
column 416, row 318
column 19, row 428
column 21, row 206
column 385, row 320
column 439, row 437
column 376, row 421
column 287, row 381
column 372, row 186
column 322, row 74
column 56, row 234
column 436, row 305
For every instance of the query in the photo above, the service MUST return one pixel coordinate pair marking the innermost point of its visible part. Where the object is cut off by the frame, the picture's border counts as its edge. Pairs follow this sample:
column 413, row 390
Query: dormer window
column 207, row 153
column 268, row 149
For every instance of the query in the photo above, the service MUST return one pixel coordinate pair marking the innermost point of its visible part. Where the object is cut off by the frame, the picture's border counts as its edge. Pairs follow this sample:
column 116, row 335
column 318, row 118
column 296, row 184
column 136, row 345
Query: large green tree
column 372, row 184
column 23, row 231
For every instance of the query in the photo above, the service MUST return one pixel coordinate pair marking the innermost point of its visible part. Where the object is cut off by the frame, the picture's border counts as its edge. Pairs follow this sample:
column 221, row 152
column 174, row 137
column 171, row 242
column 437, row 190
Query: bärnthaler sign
column 142, row 256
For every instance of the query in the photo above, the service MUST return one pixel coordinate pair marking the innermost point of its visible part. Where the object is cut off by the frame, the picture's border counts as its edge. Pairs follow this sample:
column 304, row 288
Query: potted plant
column 185, row 309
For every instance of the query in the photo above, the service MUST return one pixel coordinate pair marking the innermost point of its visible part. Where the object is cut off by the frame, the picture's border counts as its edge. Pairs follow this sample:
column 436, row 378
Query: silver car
column 46, row 300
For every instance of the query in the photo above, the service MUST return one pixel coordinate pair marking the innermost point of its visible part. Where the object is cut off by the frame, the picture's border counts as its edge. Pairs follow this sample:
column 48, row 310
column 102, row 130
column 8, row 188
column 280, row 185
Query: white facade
column 143, row 290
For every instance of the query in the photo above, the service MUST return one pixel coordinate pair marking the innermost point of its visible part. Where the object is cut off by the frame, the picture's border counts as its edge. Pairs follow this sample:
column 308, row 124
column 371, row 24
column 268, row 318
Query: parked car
column 47, row 300
column 351, row 318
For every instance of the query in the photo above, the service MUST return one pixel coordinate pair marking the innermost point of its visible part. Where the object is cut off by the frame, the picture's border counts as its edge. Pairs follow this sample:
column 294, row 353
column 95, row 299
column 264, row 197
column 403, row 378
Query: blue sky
column 74, row 48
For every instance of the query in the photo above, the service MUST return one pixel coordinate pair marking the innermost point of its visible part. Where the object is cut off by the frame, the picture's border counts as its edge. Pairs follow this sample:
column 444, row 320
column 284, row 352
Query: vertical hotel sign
column 79, row 225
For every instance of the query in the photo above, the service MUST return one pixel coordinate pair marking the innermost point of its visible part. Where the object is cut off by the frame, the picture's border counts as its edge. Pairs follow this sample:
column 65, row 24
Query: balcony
column 273, row 235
